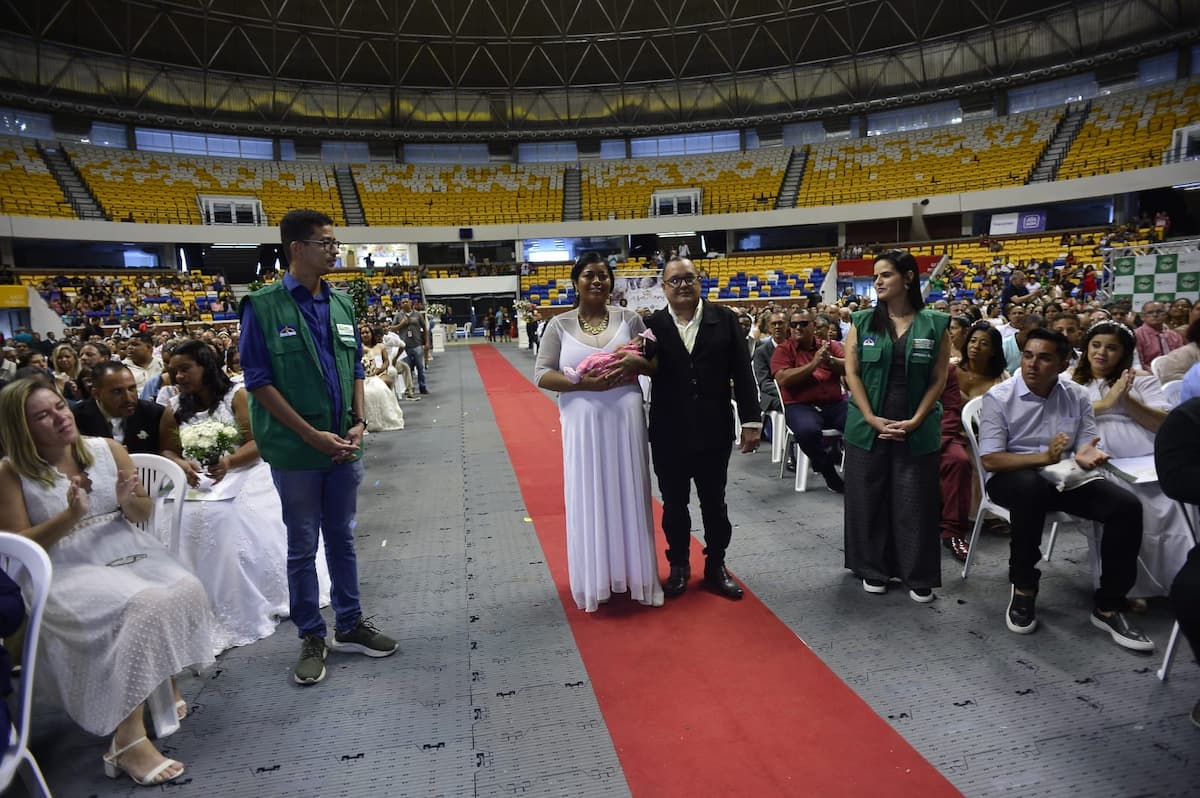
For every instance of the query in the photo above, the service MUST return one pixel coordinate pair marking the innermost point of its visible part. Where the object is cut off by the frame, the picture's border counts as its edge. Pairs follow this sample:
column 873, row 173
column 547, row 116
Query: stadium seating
column 156, row 187
column 991, row 153
column 26, row 186
column 411, row 194
column 730, row 182
column 1131, row 130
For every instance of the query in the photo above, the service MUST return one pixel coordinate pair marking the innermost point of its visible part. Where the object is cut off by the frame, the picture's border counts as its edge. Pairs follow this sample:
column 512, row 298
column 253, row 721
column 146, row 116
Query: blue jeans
column 807, row 421
column 416, row 359
column 321, row 503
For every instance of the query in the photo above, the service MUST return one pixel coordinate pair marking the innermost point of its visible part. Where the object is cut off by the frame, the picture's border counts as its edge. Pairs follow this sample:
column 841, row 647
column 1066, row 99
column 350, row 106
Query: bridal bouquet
column 602, row 361
column 206, row 442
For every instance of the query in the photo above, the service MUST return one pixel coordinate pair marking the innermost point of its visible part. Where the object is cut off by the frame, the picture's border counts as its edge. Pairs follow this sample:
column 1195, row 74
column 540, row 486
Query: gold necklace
column 594, row 329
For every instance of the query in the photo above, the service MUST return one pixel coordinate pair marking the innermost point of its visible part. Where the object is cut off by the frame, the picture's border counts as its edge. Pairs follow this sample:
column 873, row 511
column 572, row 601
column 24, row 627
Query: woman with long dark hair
column 606, row 470
column 232, row 535
column 1129, row 409
column 897, row 358
column 981, row 363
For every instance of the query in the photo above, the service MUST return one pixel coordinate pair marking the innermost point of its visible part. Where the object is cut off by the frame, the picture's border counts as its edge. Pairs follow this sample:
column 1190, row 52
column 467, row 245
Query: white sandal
column 113, row 768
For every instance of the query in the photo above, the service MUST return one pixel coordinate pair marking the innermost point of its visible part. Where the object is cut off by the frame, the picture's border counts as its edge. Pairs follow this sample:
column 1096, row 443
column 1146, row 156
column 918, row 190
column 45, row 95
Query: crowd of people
column 877, row 395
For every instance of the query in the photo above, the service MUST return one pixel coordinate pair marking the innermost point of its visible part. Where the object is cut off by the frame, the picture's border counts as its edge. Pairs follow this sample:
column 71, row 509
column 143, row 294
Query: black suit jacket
column 768, row 396
column 145, row 419
column 690, row 394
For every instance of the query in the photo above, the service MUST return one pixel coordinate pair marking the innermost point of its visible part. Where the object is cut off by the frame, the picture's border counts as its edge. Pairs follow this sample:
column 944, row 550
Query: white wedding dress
column 237, row 546
column 112, row 632
column 1166, row 539
column 380, row 406
column 606, row 472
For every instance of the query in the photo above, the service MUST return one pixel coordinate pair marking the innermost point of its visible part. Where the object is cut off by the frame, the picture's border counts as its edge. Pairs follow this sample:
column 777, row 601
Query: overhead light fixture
column 233, row 246
column 680, row 234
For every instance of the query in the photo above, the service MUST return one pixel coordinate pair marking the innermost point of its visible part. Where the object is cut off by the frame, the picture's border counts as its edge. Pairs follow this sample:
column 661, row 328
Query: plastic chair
column 1169, row 656
column 27, row 563
column 1171, row 391
column 166, row 483
column 803, row 465
column 970, row 421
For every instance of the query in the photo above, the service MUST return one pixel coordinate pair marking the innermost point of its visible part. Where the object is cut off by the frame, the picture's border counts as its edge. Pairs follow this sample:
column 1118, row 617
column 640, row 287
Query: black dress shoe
column 677, row 582
column 718, row 580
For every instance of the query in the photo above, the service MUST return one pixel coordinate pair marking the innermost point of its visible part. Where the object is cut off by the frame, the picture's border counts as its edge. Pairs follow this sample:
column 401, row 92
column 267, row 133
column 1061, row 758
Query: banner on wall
column 1023, row 222
column 1161, row 278
column 638, row 289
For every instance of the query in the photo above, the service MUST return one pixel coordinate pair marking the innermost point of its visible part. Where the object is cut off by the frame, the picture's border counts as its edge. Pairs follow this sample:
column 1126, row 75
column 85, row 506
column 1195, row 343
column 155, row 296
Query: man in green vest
column 302, row 361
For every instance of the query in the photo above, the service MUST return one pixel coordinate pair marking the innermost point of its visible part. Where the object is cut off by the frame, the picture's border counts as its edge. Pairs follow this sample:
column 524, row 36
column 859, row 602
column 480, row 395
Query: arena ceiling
column 431, row 69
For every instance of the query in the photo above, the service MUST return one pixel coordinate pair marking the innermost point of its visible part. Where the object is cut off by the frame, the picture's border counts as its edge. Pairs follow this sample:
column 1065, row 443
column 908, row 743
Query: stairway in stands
column 351, row 204
column 572, row 195
column 76, row 191
column 1064, row 136
column 792, row 178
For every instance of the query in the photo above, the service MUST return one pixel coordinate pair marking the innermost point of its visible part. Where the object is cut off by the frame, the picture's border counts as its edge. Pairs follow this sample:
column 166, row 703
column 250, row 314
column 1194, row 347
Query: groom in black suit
column 701, row 351
column 114, row 411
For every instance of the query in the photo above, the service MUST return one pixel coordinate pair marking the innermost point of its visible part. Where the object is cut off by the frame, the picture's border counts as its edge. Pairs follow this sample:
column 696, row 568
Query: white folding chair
column 167, row 485
column 26, row 562
column 1156, row 369
column 970, row 421
column 1171, row 391
column 1169, row 657
column 803, row 465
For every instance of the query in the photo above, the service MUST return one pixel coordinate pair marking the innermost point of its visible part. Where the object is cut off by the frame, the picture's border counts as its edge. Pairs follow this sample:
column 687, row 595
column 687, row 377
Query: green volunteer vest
column 874, row 363
column 297, row 375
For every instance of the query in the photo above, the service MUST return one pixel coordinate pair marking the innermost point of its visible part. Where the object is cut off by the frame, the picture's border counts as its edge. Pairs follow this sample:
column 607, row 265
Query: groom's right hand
column 333, row 446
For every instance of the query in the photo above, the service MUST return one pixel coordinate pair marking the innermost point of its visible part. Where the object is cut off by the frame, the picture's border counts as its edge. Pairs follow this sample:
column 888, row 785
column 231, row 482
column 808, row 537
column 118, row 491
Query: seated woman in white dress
column 232, row 535
column 380, row 407
column 123, row 615
column 1129, row 410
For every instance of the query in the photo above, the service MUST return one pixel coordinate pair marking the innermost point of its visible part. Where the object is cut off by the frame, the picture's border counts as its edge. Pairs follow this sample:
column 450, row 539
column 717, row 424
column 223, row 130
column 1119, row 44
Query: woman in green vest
column 897, row 358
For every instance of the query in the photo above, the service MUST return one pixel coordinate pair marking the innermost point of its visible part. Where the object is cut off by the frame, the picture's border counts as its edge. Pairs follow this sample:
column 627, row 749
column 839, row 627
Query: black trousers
column 676, row 470
column 1029, row 497
column 1185, row 599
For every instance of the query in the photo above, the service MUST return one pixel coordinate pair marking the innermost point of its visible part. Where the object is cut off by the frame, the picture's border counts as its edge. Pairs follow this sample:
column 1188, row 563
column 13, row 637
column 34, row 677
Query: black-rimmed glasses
column 324, row 243
column 685, row 279
column 128, row 559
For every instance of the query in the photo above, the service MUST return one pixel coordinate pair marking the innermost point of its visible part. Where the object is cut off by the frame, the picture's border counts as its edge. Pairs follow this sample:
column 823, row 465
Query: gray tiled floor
column 489, row 697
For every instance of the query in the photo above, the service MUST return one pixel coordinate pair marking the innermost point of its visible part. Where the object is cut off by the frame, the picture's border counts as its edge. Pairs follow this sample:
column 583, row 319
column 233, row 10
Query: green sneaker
column 310, row 669
column 364, row 638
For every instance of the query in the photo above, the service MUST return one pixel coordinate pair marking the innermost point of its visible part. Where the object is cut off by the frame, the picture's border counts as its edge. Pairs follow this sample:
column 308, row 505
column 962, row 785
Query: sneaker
column 364, row 638
column 1122, row 632
column 1021, row 616
column 310, row 669
column 833, row 480
column 921, row 595
column 874, row 585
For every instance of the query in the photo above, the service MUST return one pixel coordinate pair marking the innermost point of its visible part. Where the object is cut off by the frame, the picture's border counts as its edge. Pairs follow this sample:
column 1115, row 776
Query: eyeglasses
column 1158, row 312
column 324, row 243
column 800, row 323
column 129, row 559
column 686, row 279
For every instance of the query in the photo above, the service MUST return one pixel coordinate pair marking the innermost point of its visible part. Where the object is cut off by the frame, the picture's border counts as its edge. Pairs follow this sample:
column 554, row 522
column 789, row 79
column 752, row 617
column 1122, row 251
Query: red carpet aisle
column 704, row 697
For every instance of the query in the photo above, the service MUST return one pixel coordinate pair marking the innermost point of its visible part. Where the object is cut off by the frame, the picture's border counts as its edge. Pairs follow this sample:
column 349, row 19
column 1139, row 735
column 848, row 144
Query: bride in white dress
column 380, row 406
column 606, row 471
column 123, row 615
column 232, row 536
column 1129, row 410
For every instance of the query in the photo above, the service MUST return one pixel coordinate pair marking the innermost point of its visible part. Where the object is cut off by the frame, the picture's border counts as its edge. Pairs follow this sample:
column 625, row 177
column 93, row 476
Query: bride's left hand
column 127, row 485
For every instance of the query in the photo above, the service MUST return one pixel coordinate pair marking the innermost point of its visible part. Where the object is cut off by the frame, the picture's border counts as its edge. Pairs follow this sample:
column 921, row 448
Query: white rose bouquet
column 206, row 442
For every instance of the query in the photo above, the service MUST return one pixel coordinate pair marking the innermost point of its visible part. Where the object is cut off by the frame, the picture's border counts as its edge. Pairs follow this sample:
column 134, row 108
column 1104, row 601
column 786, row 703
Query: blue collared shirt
column 256, row 360
column 1015, row 419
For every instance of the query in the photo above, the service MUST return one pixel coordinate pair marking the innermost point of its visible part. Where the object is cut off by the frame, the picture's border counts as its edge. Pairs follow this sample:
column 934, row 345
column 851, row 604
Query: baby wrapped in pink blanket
column 602, row 361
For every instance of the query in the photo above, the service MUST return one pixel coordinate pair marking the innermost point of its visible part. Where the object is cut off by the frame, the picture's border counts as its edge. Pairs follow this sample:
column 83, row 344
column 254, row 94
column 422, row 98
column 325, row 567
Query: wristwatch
column 360, row 420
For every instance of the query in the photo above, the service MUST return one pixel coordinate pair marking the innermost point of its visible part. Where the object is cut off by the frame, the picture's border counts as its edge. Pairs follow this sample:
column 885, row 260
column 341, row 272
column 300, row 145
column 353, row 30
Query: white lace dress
column 606, row 471
column 238, row 547
column 380, row 406
column 112, row 633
